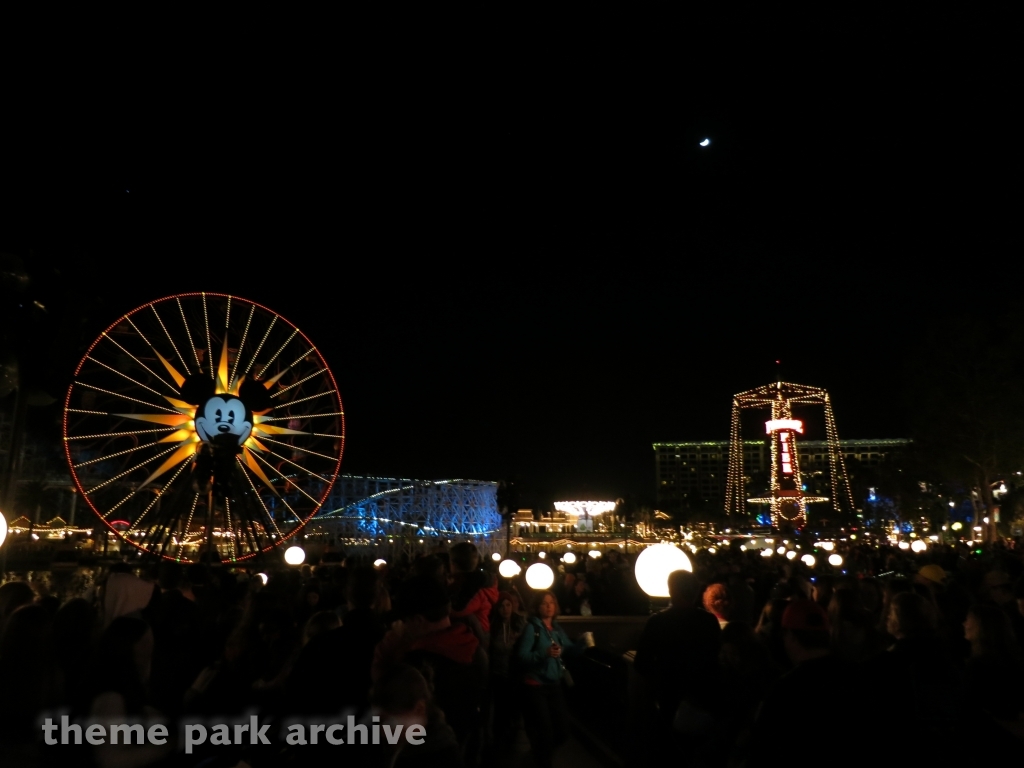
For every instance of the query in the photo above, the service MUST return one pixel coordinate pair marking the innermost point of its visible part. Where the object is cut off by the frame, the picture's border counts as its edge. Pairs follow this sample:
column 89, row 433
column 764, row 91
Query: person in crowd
column 29, row 675
column 125, row 594
column 994, row 673
column 540, row 653
column 506, row 628
column 449, row 654
column 677, row 654
column 401, row 696
column 473, row 591
column 716, row 602
column 13, row 595
column 854, row 639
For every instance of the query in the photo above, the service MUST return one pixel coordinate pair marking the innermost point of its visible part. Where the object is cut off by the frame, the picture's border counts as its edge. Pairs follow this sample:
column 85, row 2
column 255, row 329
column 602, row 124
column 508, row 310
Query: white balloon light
column 542, row 555
column 781, row 550
column 569, row 558
column 380, row 562
column 904, row 545
column 835, row 560
column 595, row 553
column 263, row 577
column 3, row 529
column 808, row 560
column 294, row 555
column 509, row 569
column 767, row 552
column 540, row 576
column 790, row 555
column 496, row 557
column 918, row 546
column 655, row 564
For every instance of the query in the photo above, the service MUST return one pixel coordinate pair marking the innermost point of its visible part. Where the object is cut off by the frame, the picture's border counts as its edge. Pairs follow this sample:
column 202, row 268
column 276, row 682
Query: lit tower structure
column 786, row 497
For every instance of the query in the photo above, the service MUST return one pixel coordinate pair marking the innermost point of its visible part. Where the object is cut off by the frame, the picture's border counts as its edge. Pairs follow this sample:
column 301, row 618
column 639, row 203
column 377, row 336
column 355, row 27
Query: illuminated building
column 691, row 475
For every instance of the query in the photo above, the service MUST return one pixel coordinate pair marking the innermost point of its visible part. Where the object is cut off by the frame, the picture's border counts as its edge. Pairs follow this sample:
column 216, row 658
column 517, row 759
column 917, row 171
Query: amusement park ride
column 203, row 426
column 786, row 498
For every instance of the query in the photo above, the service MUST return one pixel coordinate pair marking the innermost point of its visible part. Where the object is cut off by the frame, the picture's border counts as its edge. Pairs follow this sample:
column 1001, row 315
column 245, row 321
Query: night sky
column 516, row 258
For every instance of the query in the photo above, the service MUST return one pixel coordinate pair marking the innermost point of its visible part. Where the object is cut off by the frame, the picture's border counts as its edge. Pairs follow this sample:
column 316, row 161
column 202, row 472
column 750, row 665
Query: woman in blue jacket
column 540, row 651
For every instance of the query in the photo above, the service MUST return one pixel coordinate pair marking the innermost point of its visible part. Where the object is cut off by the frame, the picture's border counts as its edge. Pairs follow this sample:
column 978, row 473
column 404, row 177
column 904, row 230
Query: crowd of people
column 896, row 654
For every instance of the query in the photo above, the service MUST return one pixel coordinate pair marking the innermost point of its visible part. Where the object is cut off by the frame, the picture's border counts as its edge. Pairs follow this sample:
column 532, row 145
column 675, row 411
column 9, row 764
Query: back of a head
column 320, row 623
column 26, row 634
column 464, row 557
column 912, row 616
column 996, row 637
column 430, row 566
column 683, row 588
column 808, row 624
column 424, row 596
column 170, row 575
column 716, row 599
column 13, row 595
column 400, row 689
column 361, row 589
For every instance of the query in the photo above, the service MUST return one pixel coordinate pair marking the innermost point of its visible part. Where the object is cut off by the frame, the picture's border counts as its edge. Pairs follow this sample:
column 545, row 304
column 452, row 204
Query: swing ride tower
column 786, row 498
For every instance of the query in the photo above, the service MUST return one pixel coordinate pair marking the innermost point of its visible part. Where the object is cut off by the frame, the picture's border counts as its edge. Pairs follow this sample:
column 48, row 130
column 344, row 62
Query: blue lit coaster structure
column 394, row 514
column 786, row 498
column 203, row 426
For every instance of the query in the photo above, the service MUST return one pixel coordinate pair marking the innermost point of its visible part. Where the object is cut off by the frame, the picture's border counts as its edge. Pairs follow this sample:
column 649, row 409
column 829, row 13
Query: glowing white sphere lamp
column 263, row 577
column 542, row 555
column 712, row 550
column 767, row 552
column 380, row 562
column 595, row 553
column 918, row 546
column 904, row 545
column 509, row 569
column 790, row 554
column 3, row 529
column 539, row 576
column 781, row 550
column 294, row 555
column 705, row 143
column 808, row 560
column 835, row 560
column 655, row 564
column 569, row 558
column 957, row 526
column 496, row 557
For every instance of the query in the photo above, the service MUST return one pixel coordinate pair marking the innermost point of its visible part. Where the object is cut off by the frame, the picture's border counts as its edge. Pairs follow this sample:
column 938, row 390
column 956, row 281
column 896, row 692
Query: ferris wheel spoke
column 156, row 496
column 168, row 335
column 188, row 333
column 298, row 383
column 299, row 467
column 305, row 399
column 124, row 376
column 126, row 397
column 303, row 416
column 241, row 346
column 209, row 348
column 142, row 364
column 125, row 452
column 288, row 482
column 256, row 493
column 231, row 528
column 107, row 435
column 265, row 439
column 279, row 351
column 127, row 472
column 263, row 341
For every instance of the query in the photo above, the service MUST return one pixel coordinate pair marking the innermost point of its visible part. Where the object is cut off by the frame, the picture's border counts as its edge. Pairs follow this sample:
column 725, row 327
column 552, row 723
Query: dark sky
column 514, row 254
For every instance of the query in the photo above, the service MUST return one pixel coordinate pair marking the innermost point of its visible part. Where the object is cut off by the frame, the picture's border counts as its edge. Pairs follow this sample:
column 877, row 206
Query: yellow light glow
column 509, row 569
column 654, row 565
column 539, row 576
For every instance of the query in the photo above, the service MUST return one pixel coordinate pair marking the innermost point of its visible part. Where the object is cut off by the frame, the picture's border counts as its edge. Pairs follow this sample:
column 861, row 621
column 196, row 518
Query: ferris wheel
column 203, row 426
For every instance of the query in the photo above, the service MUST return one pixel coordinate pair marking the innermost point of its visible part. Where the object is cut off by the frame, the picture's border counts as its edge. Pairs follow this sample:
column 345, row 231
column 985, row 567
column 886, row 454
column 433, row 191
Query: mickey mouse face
column 223, row 417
